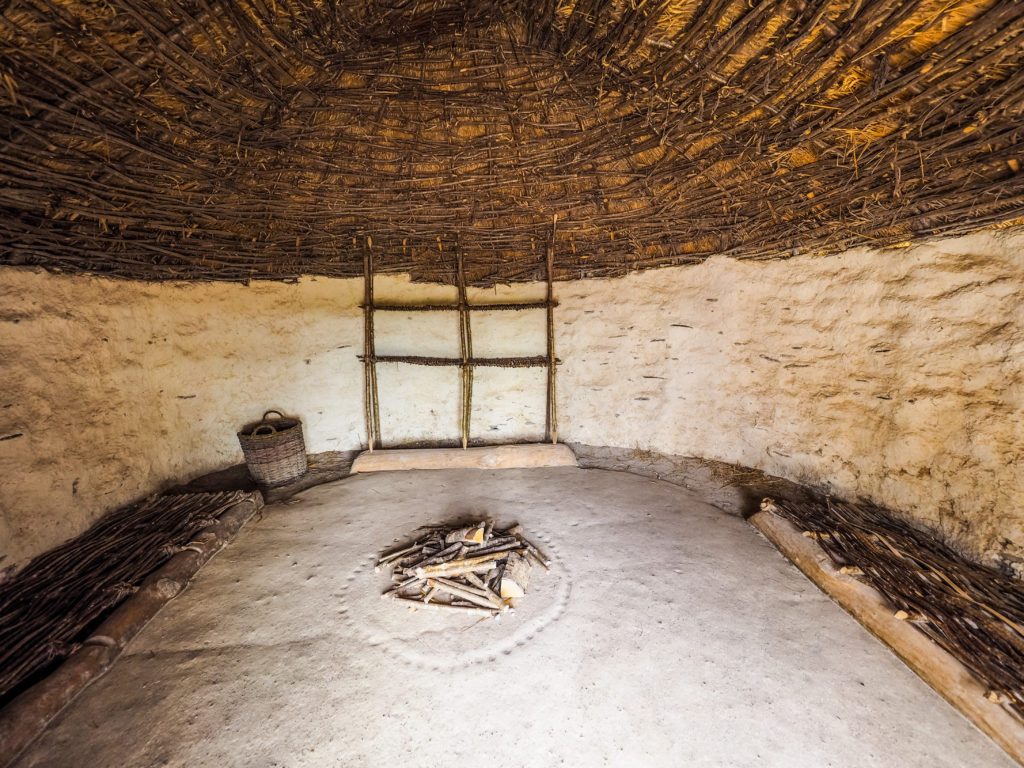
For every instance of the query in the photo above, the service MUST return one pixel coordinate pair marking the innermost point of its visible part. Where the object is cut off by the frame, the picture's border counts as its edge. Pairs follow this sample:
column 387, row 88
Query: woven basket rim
column 284, row 431
column 281, row 426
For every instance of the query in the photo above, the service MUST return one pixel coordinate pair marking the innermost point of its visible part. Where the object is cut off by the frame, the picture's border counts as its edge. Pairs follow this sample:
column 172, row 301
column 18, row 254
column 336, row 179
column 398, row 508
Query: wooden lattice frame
column 466, row 362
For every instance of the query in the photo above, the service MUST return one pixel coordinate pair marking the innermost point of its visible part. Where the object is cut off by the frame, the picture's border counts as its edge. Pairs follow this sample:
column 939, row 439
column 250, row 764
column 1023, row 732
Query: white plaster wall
column 118, row 389
column 897, row 375
column 892, row 375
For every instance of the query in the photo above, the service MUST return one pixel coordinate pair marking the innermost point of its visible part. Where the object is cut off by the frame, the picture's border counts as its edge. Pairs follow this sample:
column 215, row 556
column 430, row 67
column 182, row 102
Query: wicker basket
column 274, row 450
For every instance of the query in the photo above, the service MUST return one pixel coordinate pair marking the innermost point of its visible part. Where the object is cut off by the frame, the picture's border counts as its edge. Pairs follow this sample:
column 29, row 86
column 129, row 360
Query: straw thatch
column 206, row 139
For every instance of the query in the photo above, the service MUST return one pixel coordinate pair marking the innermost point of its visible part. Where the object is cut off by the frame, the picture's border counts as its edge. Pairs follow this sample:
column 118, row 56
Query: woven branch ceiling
column 255, row 139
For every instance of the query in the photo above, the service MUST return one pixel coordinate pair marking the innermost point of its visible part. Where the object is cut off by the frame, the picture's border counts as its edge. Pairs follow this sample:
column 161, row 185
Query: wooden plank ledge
column 950, row 679
column 487, row 457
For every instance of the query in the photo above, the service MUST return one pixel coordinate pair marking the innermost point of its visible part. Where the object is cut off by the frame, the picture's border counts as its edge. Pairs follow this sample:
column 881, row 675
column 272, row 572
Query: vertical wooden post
column 372, row 408
column 466, row 345
column 552, row 411
column 367, row 347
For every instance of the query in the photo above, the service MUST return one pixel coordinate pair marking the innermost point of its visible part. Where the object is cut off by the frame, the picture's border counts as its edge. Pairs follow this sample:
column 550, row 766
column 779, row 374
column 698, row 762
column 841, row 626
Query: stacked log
column 473, row 569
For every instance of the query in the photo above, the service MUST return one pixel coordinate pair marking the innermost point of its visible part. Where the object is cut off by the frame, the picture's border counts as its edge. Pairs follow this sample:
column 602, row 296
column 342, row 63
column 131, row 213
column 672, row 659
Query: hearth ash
column 474, row 569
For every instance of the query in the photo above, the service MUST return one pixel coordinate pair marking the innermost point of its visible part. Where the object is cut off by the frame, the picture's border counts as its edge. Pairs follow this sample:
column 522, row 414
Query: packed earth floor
column 667, row 633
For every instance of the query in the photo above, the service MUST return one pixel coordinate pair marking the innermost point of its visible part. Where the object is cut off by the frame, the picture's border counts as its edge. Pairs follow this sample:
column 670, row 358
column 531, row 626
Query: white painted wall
column 118, row 389
column 895, row 375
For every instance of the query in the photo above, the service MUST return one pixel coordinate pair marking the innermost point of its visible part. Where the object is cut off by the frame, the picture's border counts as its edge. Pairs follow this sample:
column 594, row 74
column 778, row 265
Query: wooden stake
column 476, row 581
column 466, row 346
column 368, row 346
column 473, row 564
column 387, row 557
column 477, row 597
column 552, row 413
column 444, row 555
column 410, row 582
column 417, row 604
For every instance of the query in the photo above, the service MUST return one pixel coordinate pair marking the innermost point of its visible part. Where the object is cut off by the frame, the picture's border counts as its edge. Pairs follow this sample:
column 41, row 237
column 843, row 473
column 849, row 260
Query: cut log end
column 516, row 577
column 470, row 534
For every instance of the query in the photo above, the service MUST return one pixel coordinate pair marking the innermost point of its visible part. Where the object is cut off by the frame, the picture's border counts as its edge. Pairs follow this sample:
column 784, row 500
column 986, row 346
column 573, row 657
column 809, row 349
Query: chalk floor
column 667, row 634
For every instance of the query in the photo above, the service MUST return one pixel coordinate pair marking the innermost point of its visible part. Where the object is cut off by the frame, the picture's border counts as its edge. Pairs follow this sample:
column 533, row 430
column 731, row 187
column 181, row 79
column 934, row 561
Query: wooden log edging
column 939, row 669
column 27, row 716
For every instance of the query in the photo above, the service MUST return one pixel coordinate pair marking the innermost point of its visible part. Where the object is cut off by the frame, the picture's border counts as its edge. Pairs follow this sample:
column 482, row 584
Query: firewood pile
column 474, row 569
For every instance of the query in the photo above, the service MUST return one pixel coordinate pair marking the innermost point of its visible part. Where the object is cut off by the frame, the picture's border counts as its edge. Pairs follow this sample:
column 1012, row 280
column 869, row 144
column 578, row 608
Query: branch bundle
column 973, row 612
column 46, row 606
column 475, row 569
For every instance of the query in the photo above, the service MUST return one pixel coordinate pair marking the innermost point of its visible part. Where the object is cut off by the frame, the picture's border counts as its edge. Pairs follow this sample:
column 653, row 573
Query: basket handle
column 263, row 428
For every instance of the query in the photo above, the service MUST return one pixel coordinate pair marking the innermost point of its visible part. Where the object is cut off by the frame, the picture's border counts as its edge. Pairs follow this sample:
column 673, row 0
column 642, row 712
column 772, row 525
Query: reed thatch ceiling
column 209, row 139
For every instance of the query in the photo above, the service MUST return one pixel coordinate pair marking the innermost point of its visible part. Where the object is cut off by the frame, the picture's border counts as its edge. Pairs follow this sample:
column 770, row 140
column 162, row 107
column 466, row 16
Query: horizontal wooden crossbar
column 539, row 361
column 457, row 307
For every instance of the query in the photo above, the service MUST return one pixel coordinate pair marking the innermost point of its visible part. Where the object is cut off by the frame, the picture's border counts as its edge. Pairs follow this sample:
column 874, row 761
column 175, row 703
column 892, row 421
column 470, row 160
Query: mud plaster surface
column 112, row 390
column 667, row 634
column 894, row 375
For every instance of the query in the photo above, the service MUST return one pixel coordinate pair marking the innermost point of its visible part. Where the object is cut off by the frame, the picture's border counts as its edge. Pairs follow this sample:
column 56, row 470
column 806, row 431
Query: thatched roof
column 208, row 139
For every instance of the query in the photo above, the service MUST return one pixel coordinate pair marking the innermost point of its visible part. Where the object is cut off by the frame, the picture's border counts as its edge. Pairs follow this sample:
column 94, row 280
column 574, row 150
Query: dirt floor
column 668, row 633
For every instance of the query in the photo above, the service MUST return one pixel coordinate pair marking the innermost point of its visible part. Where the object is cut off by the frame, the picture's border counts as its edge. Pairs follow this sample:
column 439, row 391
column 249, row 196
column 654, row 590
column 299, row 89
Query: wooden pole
column 552, row 412
column 369, row 352
column 465, row 344
column 367, row 347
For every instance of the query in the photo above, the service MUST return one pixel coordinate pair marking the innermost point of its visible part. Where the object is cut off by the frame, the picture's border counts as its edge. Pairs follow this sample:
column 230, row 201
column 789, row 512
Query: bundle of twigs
column 45, row 607
column 244, row 140
column 973, row 612
column 473, row 569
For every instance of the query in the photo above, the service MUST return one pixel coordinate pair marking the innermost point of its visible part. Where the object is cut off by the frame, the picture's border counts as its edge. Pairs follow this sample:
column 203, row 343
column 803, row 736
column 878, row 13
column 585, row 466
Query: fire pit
column 474, row 569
